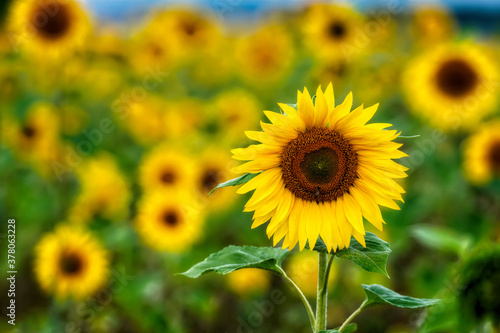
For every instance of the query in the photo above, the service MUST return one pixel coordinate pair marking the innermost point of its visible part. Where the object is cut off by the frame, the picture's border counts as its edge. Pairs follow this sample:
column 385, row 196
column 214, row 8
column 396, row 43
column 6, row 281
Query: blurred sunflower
column 145, row 119
column 183, row 117
column 478, row 290
column 320, row 169
column 104, row 191
column 459, row 80
column 329, row 31
column 189, row 31
column 149, row 50
column 302, row 268
column 36, row 138
column 234, row 111
column 214, row 167
column 110, row 43
column 249, row 281
column 166, row 167
column 432, row 24
column 169, row 221
column 49, row 28
column 265, row 57
column 70, row 263
column 338, row 71
column 482, row 154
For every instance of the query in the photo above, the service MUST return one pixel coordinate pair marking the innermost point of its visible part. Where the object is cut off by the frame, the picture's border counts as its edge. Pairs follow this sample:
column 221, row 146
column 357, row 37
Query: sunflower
column 70, row 262
column 165, row 167
column 214, row 167
column 320, row 170
column 338, row 71
column 482, row 154
column 149, row 49
column 330, row 31
column 189, row 32
column 169, row 220
column 104, row 191
column 34, row 139
column 145, row 119
column 182, row 117
column 249, row 281
column 302, row 268
column 458, row 80
column 432, row 24
column 265, row 57
column 47, row 27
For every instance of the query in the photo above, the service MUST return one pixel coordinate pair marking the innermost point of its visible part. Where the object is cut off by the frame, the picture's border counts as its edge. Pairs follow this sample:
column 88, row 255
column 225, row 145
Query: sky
column 120, row 9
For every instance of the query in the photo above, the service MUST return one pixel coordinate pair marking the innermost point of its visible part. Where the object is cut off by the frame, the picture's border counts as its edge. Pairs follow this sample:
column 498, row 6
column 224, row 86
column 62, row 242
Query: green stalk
column 353, row 315
column 303, row 298
column 322, row 296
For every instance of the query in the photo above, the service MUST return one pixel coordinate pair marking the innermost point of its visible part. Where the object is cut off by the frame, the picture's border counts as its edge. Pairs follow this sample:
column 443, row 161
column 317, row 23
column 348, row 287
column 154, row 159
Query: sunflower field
column 330, row 167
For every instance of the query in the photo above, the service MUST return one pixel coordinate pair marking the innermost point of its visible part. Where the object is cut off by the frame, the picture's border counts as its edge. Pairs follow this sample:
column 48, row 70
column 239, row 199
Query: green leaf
column 372, row 258
column 409, row 136
column 377, row 294
column 348, row 329
column 236, row 181
column 441, row 238
column 233, row 258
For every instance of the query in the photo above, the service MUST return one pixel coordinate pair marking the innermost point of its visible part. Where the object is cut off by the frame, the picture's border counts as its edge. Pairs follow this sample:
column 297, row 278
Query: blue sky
column 118, row 9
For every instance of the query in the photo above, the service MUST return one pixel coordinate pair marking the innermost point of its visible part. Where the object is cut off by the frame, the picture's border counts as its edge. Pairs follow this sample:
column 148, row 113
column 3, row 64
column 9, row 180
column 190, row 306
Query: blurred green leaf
column 372, row 258
column 409, row 136
column 233, row 258
column 236, row 181
column 377, row 294
column 348, row 329
column 441, row 238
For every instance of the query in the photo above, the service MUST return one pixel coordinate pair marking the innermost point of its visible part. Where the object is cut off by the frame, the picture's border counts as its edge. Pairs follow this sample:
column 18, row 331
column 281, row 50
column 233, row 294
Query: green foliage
column 233, row 258
column 442, row 238
column 236, row 181
column 372, row 258
column 377, row 294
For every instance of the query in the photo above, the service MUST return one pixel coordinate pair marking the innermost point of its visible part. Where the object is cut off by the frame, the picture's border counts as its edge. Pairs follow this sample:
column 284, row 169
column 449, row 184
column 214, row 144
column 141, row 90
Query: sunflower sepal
column 235, row 181
column 372, row 258
column 233, row 258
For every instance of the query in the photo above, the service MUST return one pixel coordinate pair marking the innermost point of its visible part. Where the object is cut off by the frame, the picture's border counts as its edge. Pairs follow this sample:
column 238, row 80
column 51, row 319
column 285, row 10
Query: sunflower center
column 28, row 131
column 190, row 28
column 319, row 165
column 336, row 30
column 170, row 218
column 156, row 50
column 56, row 24
column 494, row 156
column 210, row 179
column 167, row 177
column 456, row 78
column 71, row 263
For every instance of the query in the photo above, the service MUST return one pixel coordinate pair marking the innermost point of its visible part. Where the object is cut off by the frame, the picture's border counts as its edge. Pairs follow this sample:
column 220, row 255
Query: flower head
column 482, row 154
column 321, row 169
column 70, row 262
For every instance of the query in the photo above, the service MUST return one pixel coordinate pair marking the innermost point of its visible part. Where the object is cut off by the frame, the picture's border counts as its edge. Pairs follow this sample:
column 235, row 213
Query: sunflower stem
column 322, row 296
column 303, row 298
column 353, row 315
